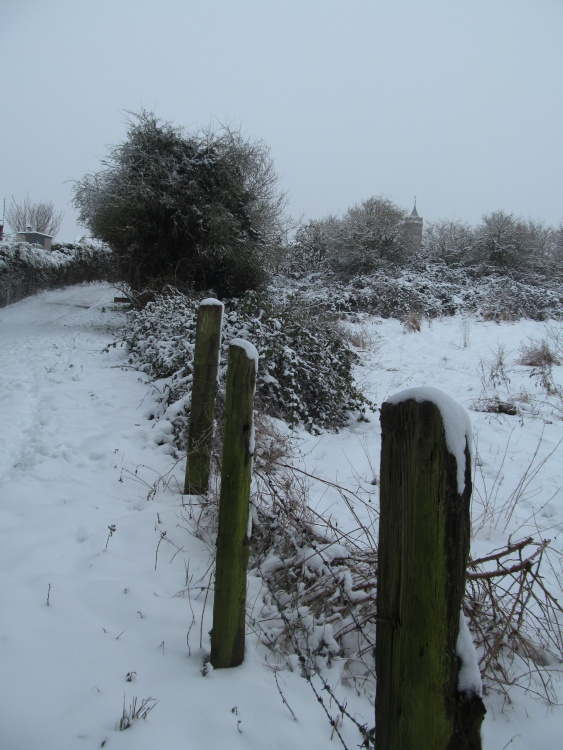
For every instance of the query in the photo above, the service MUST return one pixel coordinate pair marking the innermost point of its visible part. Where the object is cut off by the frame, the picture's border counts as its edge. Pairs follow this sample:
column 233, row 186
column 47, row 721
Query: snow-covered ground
column 96, row 613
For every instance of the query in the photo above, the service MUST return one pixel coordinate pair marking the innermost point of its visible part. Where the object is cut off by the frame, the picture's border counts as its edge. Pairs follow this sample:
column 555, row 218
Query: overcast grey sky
column 457, row 101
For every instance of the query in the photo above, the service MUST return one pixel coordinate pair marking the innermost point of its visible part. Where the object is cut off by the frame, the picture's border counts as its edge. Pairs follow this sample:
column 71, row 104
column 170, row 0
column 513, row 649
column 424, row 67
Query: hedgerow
column 306, row 363
column 305, row 373
column 431, row 290
column 25, row 269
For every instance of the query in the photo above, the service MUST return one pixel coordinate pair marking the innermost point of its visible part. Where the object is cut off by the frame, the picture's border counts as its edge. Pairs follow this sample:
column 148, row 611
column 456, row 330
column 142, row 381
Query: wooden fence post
column 424, row 536
column 227, row 635
column 204, row 388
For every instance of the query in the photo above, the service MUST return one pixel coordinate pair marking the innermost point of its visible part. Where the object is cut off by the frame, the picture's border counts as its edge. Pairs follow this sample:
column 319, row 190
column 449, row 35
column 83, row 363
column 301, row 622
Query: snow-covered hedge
column 26, row 269
column 430, row 290
column 305, row 371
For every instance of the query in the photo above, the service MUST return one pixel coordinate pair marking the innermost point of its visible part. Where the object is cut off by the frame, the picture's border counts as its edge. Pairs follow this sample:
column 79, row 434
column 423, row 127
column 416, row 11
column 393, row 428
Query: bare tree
column 313, row 243
column 370, row 234
column 449, row 240
column 508, row 241
column 41, row 217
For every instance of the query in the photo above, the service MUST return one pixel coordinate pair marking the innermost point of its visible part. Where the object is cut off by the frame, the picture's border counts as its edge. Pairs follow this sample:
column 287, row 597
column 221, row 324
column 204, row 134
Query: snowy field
column 97, row 614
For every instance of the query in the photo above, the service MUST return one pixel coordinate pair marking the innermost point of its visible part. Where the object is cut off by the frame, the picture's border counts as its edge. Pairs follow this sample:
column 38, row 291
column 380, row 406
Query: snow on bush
column 26, row 269
column 431, row 290
column 305, row 370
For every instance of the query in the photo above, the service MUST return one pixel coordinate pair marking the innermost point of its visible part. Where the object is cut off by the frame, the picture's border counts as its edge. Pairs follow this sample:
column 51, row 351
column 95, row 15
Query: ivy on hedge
column 306, row 368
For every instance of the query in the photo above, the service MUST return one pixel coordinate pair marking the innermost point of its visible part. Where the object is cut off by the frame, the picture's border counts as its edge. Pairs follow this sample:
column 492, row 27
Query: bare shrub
column 494, row 405
column 537, row 353
column 554, row 333
column 412, row 323
column 497, row 512
column 321, row 600
column 495, row 373
column 360, row 336
column 514, row 619
column 500, row 313
column 464, row 333
column 321, row 583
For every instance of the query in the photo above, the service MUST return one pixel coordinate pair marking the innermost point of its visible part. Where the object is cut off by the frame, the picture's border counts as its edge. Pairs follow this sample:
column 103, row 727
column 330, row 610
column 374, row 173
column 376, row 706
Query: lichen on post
column 424, row 536
column 204, row 389
column 227, row 635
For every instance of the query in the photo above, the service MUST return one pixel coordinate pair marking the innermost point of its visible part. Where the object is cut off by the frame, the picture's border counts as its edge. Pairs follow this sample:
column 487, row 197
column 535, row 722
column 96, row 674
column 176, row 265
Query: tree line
column 373, row 235
column 204, row 210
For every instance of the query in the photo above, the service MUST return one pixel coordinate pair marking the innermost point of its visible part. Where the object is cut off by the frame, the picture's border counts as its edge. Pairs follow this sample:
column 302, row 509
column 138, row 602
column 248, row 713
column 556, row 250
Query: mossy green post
column 424, row 536
column 227, row 635
column 204, row 389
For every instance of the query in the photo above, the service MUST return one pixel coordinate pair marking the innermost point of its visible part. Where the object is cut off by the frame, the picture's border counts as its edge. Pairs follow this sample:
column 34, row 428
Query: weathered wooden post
column 227, row 635
column 204, row 388
column 424, row 535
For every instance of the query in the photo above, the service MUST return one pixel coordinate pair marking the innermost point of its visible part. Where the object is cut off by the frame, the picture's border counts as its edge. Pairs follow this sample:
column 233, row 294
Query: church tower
column 413, row 229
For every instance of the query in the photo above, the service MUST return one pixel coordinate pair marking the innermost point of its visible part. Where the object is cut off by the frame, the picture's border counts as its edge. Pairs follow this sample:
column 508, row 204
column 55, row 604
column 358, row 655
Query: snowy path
column 78, row 455
column 66, row 435
column 43, row 373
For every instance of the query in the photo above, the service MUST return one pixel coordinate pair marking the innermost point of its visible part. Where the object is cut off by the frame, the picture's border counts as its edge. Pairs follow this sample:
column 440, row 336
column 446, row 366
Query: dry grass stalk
column 412, row 323
column 537, row 353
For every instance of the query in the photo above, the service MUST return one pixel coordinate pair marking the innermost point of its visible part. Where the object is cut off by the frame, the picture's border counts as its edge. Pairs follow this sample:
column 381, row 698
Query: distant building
column 413, row 229
column 36, row 238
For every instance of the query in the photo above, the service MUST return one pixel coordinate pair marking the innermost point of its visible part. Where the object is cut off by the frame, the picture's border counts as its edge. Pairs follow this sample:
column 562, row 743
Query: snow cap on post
column 211, row 301
column 457, row 424
column 250, row 350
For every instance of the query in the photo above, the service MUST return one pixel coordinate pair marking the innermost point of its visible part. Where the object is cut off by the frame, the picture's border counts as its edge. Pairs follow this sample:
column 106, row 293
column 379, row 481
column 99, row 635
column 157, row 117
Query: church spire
column 413, row 228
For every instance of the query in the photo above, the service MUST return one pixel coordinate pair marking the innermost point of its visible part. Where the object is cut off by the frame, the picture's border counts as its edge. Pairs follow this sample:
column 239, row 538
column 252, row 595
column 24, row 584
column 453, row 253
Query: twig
column 501, row 553
column 523, row 565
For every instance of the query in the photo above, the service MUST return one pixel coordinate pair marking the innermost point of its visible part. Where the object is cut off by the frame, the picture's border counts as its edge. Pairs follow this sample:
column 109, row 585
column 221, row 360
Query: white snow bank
column 457, row 424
